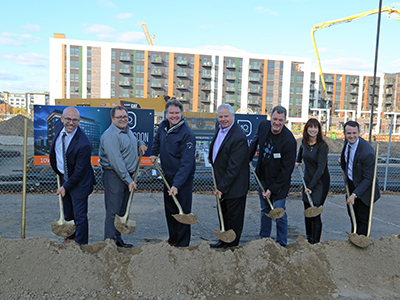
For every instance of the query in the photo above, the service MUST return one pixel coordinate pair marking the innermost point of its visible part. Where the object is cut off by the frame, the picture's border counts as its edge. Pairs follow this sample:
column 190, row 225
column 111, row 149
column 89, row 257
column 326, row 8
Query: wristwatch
column 354, row 195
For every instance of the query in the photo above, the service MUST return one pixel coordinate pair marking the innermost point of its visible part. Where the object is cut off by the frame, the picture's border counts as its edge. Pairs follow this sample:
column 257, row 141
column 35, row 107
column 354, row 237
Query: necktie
column 347, row 161
column 64, row 156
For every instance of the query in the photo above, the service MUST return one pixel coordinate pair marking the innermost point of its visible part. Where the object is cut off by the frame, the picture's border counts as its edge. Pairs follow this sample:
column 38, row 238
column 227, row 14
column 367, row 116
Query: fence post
column 388, row 153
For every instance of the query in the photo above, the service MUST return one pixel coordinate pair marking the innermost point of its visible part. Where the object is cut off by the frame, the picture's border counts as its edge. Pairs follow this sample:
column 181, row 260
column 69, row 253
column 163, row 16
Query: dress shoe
column 219, row 244
column 123, row 245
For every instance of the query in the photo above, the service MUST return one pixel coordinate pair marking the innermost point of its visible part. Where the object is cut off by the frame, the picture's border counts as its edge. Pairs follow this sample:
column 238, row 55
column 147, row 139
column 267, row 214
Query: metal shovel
column 225, row 236
column 181, row 217
column 123, row 224
column 312, row 211
column 275, row 213
column 61, row 227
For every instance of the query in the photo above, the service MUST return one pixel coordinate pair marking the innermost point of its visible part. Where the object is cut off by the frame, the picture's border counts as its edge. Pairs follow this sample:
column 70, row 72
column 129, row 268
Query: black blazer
column 80, row 171
column 283, row 158
column 363, row 171
column 231, row 169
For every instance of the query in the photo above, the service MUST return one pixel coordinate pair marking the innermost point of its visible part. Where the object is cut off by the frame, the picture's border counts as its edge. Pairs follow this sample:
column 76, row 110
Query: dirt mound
column 15, row 126
column 39, row 269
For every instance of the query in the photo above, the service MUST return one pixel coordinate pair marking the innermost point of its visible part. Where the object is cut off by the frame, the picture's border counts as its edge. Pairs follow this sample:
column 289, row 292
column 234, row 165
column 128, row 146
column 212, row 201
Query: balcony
column 182, row 62
column 182, row 74
column 206, row 75
column 206, row 88
column 207, row 100
column 312, row 98
column 253, row 102
column 312, row 88
column 156, row 85
column 355, row 82
column 230, row 100
column 207, row 63
column 389, row 81
column 389, row 91
column 354, row 91
column 125, row 71
column 254, row 90
column 181, row 87
column 254, row 79
column 231, row 77
column 389, row 101
column 231, row 66
column 125, row 58
column 254, row 67
column 124, row 83
column 156, row 72
column 181, row 98
column 353, row 100
column 157, row 60
column 230, row 88
column 329, row 80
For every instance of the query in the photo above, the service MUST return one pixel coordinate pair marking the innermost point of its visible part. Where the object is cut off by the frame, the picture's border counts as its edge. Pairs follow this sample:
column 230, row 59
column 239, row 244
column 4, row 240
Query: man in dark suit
column 76, row 173
column 358, row 162
column 227, row 154
column 276, row 160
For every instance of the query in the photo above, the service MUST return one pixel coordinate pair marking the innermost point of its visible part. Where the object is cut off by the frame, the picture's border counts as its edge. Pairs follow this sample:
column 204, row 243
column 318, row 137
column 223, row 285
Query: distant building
column 26, row 100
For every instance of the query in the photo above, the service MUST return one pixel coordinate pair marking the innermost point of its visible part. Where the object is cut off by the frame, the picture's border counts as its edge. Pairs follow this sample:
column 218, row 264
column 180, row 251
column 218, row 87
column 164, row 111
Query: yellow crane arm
column 341, row 21
column 146, row 32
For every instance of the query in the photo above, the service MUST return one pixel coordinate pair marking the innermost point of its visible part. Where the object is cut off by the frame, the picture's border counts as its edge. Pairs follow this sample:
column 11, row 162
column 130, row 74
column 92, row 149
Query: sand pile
column 40, row 269
column 15, row 126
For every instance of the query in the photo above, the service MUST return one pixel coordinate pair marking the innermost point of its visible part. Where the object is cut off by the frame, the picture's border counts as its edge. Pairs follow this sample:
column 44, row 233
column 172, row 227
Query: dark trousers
column 116, row 196
column 75, row 208
column 179, row 234
column 313, row 227
column 233, row 214
column 361, row 212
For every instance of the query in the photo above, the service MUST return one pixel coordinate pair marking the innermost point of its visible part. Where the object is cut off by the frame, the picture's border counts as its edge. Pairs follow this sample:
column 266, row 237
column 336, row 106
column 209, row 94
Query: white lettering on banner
column 142, row 136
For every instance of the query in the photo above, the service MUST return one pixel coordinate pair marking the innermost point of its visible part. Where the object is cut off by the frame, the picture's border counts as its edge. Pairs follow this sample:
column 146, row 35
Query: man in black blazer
column 227, row 154
column 276, row 160
column 77, row 177
column 358, row 162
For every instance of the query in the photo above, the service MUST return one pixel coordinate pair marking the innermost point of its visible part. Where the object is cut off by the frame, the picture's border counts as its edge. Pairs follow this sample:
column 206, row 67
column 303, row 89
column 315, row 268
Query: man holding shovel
column 276, row 160
column 175, row 143
column 119, row 160
column 227, row 154
column 70, row 154
column 358, row 162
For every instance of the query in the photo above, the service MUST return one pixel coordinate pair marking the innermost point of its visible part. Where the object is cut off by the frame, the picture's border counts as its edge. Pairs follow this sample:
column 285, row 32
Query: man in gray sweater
column 118, row 158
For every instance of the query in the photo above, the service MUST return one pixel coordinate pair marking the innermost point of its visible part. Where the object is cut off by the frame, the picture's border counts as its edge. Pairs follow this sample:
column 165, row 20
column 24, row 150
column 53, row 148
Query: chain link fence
column 42, row 179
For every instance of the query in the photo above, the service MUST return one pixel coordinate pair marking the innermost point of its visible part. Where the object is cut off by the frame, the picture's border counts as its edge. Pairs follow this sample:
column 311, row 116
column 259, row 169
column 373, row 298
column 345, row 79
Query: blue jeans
column 266, row 222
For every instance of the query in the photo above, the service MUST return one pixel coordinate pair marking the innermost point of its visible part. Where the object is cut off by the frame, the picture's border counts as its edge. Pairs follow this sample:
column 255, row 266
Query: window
column 74, row 77
column 88, row 90
column 139, row 69
column 113, row 92
column 74, row 51
column 271, row 65
column 89, row 65
column 270, row 77
column 217, row 61
column 191, row 72
column 166, row 70
column 74, row 64
column 281, row 66
column 89, row 78
column 269, row 100
column 113, row 79
column 140, row 56
column 192, row 60
column 89, row 52
column 112, row 67
column 270, row 88
column 167, row 57
column 166, row 82
column 300, row 79
column 139, row 81
column 139, row 94
column 113, row 54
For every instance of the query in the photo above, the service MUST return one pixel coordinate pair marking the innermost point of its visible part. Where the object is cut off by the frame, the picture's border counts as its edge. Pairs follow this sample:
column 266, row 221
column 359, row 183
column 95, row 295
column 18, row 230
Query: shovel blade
column 225, row 236
column 276, row 213
column 312, row 212
column 186, row 218
column 63, row 229
column 125, row 227
column 359, row 240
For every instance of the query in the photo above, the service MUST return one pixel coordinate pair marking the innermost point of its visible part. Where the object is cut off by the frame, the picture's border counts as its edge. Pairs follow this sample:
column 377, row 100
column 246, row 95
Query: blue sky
column 265, row 27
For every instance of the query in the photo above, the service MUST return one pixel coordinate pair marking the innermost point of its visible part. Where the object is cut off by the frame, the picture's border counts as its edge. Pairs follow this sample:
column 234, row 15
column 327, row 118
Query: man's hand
column 267, row 194
column 351, row 199
column 61, row 191
column 142, row 148
column 153, row 158
column 132, row 185
column 219, row 193
column 173, row 191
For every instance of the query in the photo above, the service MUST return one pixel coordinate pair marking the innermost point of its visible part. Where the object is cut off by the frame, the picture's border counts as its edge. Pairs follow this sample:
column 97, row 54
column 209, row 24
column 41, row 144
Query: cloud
column 348, row 63
column 106, row 3
column 28, row 59
column 124, row 16
column 105, row 32
column 31, row 27
column 9, row 76
column 266, row 11
column 24, row 86
column 206, row 26
column 15, row 39
column 395, row 4
column 225, row 48
column 9, row 42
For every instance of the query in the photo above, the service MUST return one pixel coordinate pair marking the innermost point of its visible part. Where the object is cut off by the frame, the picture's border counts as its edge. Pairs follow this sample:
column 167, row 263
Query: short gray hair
column 228, row 106
column 280, row 110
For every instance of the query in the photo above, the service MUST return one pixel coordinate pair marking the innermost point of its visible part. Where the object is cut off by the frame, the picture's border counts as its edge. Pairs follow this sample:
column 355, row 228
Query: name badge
column 277, row 155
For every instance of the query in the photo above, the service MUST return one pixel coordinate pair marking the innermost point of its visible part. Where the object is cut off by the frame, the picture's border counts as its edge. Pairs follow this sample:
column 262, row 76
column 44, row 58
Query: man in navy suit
column 227, row 154
column 358, row 162
column 277, row 148
column 77, row 177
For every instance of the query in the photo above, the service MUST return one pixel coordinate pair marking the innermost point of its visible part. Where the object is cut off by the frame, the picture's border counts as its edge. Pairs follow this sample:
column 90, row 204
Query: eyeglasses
column 73, row 120
column 121, row 117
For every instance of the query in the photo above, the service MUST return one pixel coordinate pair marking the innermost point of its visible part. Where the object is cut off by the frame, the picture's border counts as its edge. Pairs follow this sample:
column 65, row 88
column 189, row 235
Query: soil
column 37, row 268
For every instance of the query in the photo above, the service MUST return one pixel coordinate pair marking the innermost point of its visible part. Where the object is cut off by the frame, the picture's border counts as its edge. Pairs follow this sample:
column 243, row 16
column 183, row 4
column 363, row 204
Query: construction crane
column 146, row 32
column 342, row 21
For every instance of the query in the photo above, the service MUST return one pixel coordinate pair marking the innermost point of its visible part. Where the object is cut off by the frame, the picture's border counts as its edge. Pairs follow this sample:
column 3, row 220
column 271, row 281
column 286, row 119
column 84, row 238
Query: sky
column 263, row 27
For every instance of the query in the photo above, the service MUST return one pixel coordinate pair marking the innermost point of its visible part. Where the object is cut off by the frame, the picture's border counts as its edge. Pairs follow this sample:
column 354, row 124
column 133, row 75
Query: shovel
column 225, row 236
column 123, row 224
column 275, row 213
column 181, row 217
column 61, row 227
column 312, row 211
